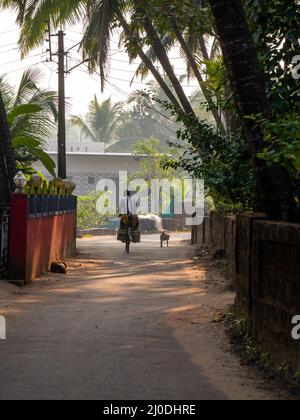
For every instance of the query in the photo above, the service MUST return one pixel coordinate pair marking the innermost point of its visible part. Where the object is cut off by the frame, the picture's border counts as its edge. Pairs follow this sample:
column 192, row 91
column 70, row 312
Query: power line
column 8, row 51
column 146, row 106
column 127, row 96
column 27, row 67
column 9, row 45
column 75, row 32
column 135, row 71
column 143, row 84
column 149, row 107
column 138, row 64
column 17, row 61
column 9, row 31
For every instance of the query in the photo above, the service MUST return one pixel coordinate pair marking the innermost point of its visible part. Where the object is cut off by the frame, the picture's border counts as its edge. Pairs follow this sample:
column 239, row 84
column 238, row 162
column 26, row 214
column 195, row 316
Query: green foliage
column 216, row 81
column 17, row 111
column 31, row 114
column 87, row 216
column 283, row 136
column 222, row 161
column 152, row 167
column 142, row 118
column 276, row 32
column 28, row 150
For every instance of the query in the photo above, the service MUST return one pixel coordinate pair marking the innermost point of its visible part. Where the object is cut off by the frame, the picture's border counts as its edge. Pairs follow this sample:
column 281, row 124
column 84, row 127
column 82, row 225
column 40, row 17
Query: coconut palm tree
column 100, row 18
column 155, row 41
column 250, row 90
column 100, row 122
column 31, row 116
column 193, row 49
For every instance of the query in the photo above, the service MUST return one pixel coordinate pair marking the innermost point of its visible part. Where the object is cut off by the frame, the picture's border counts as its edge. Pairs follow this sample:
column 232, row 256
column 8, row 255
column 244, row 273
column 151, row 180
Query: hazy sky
column 80, row 86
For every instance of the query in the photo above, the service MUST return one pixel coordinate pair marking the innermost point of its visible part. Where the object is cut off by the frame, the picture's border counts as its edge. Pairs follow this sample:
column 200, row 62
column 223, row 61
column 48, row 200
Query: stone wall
column 264, row 262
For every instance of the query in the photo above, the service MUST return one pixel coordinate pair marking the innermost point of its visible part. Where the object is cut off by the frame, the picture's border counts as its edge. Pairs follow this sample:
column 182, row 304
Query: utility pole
column 62, row 158
column 62, row 72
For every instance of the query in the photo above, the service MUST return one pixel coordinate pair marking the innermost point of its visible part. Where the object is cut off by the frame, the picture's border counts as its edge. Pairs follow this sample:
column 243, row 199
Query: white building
column 87, row 164
column 85, row 147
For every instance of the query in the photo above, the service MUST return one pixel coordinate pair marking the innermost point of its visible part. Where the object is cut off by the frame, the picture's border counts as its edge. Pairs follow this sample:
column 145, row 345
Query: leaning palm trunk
column 249, row 87
column 163, row 58
column 148, row 63
column 203, row 48
column 199, row 77
column 7, row 160
column 165, row 62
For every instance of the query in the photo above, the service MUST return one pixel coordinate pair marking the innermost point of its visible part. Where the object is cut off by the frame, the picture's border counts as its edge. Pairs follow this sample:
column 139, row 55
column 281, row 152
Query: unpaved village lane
column 122, row 327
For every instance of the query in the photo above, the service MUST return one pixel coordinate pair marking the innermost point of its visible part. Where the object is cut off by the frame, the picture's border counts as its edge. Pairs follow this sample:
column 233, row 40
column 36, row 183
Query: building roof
column 98, row 154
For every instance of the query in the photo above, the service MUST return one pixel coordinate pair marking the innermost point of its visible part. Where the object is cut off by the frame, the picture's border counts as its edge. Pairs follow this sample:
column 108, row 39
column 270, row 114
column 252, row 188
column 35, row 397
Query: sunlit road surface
column 103, row 332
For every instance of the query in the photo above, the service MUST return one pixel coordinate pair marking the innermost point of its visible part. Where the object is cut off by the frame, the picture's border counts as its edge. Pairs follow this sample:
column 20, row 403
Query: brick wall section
column 217, row 232
column 275, row 294
column 264, row 262
column 230, row 244
column 242, row 260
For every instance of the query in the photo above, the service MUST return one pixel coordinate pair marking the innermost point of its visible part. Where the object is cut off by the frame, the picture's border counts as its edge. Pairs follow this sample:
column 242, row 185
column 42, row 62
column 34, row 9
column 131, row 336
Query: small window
column 91, row 180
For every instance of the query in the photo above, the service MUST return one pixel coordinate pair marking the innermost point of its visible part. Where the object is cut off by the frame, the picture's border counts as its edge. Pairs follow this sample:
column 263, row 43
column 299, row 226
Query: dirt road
column 117, row 327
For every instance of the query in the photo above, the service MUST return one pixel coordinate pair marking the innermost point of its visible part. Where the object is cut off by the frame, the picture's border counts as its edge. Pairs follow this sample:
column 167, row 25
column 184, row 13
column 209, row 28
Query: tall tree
column 249, row 87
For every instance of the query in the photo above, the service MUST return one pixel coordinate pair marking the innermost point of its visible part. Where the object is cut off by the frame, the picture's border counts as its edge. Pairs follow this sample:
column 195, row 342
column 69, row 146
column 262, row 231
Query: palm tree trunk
column 203, row 48
column 4, row 183
column 148, row 63
column 165, row 62
column 7, row 160
column 198, row 76
column 249, row 87
column 162, row 56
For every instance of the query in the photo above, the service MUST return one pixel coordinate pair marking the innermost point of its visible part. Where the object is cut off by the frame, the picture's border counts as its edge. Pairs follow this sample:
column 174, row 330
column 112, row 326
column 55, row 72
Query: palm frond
column 101, row 121
column 99, row 24
column 143, row 71
column 85, row 130
column 28, row 85
column 7, row 92
column 33, row 17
